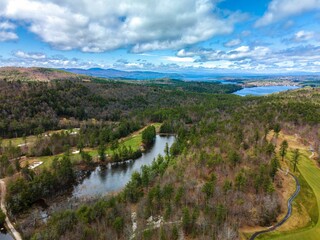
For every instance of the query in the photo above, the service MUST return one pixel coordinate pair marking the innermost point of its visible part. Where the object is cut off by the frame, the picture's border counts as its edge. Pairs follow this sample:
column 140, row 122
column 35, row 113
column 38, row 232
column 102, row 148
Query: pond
column 114, row 177
column 260, row 91
column 4, row 235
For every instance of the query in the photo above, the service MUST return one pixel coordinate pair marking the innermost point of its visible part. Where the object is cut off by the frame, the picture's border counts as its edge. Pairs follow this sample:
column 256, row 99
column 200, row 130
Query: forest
column 221, row 173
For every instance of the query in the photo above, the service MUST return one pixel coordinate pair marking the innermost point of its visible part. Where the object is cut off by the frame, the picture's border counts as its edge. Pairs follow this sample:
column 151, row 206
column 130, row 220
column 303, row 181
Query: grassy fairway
column 18, row 141
column 47, row 160
column 134, row 141
column 310, row 176
column 32, row 138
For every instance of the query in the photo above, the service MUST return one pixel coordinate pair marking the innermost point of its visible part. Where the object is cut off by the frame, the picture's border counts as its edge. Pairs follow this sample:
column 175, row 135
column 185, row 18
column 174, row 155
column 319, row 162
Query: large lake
column 113, row 178
column 259, row 91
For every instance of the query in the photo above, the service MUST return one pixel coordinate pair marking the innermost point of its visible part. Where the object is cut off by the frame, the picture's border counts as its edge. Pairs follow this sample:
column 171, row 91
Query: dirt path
column 10, row 226
column 312, row 155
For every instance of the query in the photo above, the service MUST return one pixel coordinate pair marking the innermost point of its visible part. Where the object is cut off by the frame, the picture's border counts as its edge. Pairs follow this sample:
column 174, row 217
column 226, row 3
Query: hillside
column 34, row 74
column 36, row 99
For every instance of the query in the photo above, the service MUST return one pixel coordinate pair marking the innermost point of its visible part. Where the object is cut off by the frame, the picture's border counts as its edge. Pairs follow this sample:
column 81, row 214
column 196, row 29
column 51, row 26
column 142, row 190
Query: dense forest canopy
column 32, row 107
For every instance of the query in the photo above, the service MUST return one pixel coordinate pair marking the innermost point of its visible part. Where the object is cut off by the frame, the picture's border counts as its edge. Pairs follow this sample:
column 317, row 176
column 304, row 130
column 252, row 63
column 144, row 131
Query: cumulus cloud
column 303, row 52
column 7, row 36
column 257, row 59
column 29, row 59
column 280, row 9
column 303, row 36
column 7, row 25
column 105, row 25
column 241, row 59
column 36, row 56
column 6, row 33
column 240, row 53
column 232, row 43
column 179, row 59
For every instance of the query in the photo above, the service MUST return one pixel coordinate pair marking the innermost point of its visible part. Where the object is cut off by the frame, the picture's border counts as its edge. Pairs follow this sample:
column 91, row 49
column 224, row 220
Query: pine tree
column 295, row 159
column 283, row 149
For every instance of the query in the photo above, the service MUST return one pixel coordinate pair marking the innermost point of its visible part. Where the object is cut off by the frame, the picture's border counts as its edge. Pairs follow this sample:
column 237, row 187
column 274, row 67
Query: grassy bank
column 304, row 222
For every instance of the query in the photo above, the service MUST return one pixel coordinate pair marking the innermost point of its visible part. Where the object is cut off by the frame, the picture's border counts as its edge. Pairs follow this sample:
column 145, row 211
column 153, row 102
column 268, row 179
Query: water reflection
column 260, row 91
column 4, row 235
column 115, row 176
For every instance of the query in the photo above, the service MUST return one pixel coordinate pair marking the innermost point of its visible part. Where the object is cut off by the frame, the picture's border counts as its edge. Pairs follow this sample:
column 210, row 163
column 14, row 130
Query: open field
column 134, row 141
column 32, row 138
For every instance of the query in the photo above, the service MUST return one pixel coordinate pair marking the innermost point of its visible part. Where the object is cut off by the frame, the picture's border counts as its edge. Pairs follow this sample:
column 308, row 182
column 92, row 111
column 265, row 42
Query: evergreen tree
column 102, row 152
column 148, row 136
column 283, row 149
column 295, row 159
column 274, row 167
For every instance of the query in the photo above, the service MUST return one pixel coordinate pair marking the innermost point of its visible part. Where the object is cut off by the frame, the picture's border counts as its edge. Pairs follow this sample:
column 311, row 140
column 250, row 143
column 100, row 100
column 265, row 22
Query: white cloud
column 258, row 59
column 179, row 59
column 232, row 43
column 7, row 25
column 237, row 54
column 285, row 64
column 280, row 9
column 7, row 36
column 141, row 25
column 6, row 33
column 184, row 53
column 27, row 59
column 303, row 36
column 25, row 55
column 303, row 58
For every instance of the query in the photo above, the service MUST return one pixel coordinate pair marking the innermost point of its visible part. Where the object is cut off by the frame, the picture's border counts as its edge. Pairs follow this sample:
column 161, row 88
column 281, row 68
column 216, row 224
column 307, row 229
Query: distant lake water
column 260, row 91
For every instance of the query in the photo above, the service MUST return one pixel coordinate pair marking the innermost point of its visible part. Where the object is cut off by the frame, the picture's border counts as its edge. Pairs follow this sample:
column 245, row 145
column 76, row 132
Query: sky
column 216, row 36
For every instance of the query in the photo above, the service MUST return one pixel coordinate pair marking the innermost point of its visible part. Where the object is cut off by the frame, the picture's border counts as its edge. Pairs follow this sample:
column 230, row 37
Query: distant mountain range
column 113, row 73
column 145, row 75
column 48, row 74
column 197, row 76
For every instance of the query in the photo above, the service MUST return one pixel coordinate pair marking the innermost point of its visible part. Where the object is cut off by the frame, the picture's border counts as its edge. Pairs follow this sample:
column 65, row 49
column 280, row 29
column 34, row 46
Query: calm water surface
column 259, row 91
column 113, row 178
column 4, row 235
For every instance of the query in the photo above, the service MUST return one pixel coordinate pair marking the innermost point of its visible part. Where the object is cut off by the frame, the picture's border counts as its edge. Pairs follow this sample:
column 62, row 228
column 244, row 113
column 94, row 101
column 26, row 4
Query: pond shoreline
column 108, row 179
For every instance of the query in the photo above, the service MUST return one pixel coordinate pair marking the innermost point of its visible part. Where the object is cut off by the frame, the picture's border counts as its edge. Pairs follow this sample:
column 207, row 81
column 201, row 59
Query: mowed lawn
column 134, row 141
column 32, row 138
column 19, row 140
column 311, row 173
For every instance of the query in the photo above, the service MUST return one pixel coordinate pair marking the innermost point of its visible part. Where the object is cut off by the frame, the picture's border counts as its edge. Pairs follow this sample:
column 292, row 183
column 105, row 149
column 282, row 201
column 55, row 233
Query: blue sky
column 230, row 36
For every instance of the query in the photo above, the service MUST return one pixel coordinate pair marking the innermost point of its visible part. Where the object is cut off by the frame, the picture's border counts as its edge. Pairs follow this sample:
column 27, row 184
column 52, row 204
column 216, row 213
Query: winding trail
column 10, row 226
column 286, row 217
